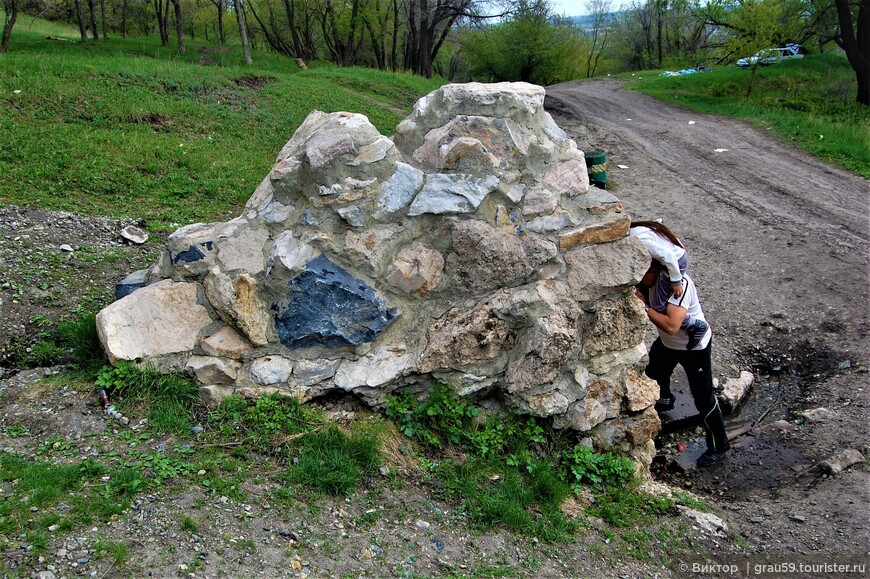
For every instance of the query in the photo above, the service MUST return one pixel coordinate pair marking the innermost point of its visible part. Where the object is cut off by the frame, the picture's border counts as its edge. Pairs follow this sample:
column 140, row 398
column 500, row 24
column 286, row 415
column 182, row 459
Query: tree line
column 490, row 40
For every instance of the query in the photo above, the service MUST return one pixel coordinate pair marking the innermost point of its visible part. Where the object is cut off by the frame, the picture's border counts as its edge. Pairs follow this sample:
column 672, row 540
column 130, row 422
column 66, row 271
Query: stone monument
column 467, row 249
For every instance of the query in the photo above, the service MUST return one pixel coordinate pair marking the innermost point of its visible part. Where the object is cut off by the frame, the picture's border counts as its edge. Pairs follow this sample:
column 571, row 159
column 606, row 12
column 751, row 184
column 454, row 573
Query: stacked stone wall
column 468, row 249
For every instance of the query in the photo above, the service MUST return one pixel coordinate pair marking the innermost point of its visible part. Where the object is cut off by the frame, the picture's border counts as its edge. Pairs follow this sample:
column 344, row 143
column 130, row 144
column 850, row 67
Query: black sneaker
column 710, row 458
column 696, row 333
column 665, row 404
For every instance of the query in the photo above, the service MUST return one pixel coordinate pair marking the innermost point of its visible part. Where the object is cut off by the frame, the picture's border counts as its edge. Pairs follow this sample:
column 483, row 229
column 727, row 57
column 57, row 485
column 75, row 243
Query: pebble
column 422, row 524
column 65, row 247
column 134, row 235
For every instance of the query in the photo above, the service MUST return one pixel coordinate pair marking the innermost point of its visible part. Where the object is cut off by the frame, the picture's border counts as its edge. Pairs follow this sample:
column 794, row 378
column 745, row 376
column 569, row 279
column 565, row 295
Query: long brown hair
column 661, row 229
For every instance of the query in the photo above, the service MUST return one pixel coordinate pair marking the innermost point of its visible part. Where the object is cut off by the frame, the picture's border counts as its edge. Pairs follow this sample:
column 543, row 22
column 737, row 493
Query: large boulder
column 468, row 249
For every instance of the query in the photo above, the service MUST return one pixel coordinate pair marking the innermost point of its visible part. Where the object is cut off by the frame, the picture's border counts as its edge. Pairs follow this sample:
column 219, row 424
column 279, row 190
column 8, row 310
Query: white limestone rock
column 162, row 318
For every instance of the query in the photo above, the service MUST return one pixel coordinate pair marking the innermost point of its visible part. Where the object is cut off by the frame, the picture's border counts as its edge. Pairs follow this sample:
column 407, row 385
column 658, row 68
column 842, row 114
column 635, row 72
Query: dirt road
column 778, row 244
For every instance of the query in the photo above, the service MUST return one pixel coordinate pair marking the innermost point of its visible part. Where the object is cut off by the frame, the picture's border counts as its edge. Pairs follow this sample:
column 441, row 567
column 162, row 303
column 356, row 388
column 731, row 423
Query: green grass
column 117, row 551
column 807, row 102
column 168, row 398
column 41, row 489
column 129, row 128
column 526, row 501
column 333, row 462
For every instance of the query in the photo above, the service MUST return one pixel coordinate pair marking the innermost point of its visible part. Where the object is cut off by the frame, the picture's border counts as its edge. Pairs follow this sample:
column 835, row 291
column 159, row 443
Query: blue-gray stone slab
column 130, row 283
column 329, row 307
column 192, row 253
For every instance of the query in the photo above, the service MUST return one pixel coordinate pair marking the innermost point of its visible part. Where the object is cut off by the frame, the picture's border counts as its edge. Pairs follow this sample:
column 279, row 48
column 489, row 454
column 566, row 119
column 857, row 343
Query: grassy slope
column 128, row 128
column 808, row 102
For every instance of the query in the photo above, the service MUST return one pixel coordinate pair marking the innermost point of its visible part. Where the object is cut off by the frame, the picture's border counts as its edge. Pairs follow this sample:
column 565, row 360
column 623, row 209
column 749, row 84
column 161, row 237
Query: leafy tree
column 427, row 24
column 221, row 6
column 655, row 32
column 755, row 25
column 530, row 47
column 597, row 38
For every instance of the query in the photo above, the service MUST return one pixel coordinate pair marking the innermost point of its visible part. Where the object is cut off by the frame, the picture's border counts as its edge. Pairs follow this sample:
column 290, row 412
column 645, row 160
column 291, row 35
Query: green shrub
column 266, row 423
column 80, row 336
column 582, row 464
column 438, row 419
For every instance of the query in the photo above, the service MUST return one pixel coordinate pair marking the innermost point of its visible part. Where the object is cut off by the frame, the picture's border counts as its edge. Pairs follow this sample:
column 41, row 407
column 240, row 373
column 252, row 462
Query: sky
column 578, row 7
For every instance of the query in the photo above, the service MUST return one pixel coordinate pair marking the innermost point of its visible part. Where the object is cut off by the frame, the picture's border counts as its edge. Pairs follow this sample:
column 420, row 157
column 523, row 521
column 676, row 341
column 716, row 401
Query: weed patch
column 516, row 472
column 169, row 398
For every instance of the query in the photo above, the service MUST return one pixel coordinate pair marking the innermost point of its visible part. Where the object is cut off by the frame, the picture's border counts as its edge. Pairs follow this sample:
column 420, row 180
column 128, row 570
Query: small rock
column 134, row 235
column 83, row 560
column 384, row 470
column 65, row 247
column 288, row 534
column 798, row 518
column 705, row 521
column 820, row 414
column 62, row 506
column 45, row 575
column 197, row 429
column 841, row 461
column 421, row 524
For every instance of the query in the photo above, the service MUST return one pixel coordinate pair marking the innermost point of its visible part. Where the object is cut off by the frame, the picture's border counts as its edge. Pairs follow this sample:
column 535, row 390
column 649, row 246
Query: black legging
column 698, row 367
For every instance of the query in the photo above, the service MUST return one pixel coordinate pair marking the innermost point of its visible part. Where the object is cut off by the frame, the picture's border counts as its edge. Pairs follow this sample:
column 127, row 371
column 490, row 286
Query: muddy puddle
column 762, row 457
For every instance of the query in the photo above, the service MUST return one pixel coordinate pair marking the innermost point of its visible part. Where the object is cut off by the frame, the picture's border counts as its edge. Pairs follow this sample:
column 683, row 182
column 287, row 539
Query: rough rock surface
column 469, row 249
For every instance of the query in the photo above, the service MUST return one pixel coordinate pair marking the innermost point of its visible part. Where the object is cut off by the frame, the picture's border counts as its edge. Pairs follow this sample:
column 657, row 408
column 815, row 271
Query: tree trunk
column 11, row 16
column 221, row 36
column 93, row 10
column 856, row 44
column 161, row 21
column 376, row 44
column 179, row 25
column 290, row 10
column 395, row 33
column 243, row 30
column 103, row 18
column 80, row 16
column 124, row 19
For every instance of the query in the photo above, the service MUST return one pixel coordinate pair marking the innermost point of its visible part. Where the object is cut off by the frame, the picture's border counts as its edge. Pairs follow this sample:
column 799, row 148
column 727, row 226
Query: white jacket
column 662, row 250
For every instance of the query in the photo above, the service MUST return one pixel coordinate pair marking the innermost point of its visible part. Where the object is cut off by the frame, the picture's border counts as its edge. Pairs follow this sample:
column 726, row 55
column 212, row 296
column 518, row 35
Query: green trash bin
column 596, row 166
